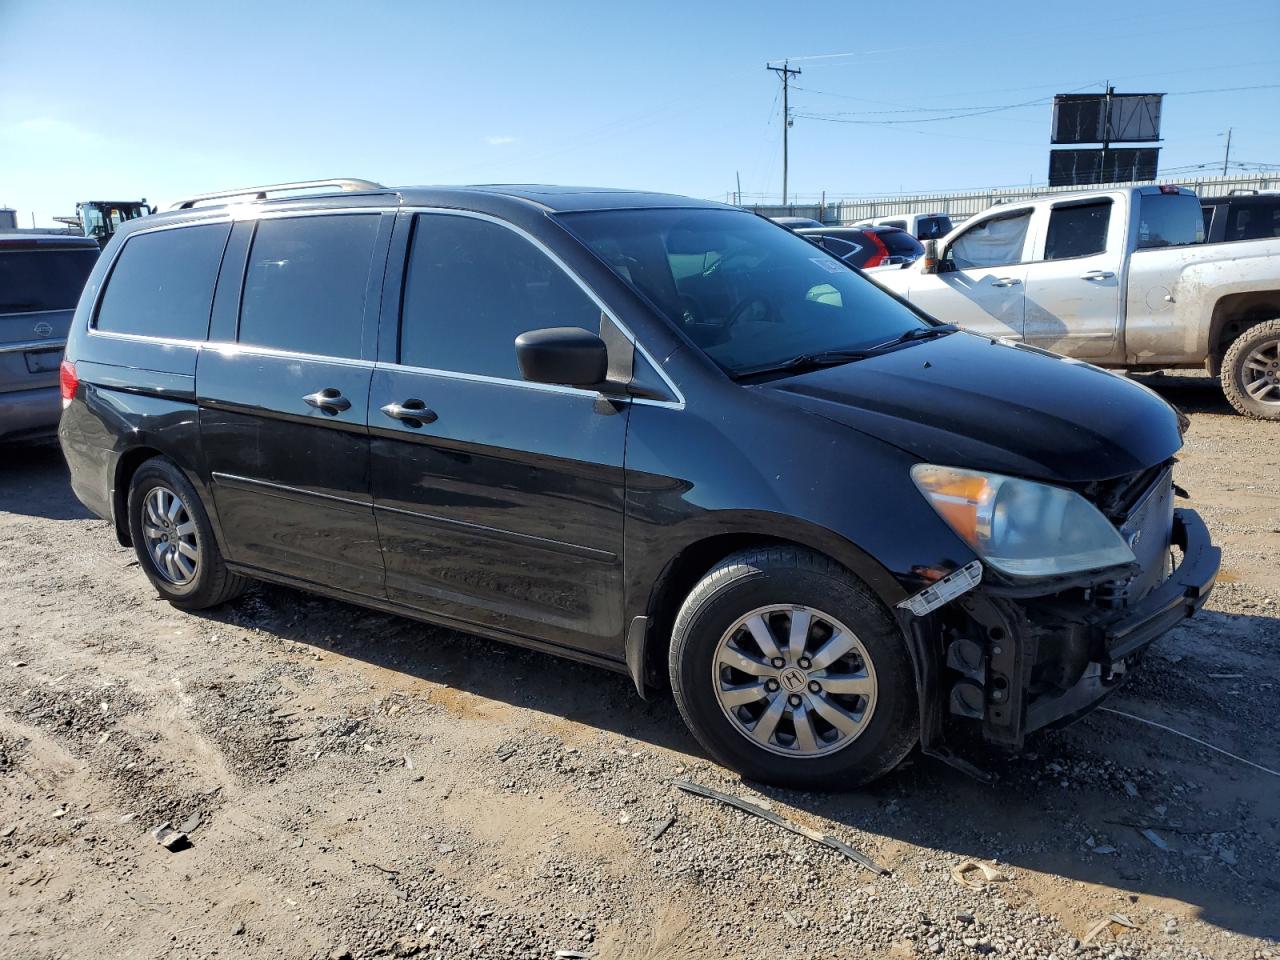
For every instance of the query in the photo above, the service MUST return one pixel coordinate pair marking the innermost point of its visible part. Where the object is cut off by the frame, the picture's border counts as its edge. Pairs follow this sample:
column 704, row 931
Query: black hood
column 966, row 401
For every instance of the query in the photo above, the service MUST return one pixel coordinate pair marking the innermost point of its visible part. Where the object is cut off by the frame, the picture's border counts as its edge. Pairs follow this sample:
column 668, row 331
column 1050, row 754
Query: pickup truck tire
column 790, row 671
column 1251, row 371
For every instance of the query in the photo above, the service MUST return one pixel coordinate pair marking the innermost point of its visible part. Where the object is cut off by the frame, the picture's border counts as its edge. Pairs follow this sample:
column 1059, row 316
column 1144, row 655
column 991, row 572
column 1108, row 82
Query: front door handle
column 1097, row 275
column 412, row 413
column 330, row 400
column 1005, row 282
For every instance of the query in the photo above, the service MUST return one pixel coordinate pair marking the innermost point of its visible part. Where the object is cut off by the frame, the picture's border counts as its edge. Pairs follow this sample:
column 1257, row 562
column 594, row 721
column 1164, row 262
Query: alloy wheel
column 170, row 532
column 1260, row 375
column 794, row 680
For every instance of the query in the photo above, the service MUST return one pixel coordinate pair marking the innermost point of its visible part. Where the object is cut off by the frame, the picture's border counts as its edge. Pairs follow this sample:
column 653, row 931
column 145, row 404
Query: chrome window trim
column 38, row 313
column 33, row 345
column 234, row 347
column 678, row 403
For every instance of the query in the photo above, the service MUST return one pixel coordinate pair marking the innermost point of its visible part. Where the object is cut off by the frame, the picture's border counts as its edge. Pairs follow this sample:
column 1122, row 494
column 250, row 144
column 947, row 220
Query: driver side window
column 993, row 243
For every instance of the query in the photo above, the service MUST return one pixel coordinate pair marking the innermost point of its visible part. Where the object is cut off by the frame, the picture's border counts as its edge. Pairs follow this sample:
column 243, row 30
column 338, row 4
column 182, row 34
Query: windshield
column 34, row 280
column 750, row 295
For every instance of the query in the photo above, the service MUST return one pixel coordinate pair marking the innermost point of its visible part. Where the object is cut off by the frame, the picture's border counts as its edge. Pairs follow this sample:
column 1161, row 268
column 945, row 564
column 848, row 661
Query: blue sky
column 121, row 100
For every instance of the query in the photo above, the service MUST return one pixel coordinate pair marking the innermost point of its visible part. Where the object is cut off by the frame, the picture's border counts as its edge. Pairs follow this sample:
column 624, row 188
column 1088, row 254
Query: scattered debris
column 1104, row 849
column 1187, row 736
column 572, row 955
column 238, row 929
column 1106, row 924
column 966, row 874
column 1226, row 676
column 1130, row 788
column 191, row 824
column 172, row 840
column 688, row 786
column 654, row 837
column 1155, row 838
column 791, row 918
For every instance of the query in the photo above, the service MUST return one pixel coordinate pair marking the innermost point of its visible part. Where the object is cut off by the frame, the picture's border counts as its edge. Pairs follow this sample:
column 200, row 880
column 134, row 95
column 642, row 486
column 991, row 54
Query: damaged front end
column 1017, row 654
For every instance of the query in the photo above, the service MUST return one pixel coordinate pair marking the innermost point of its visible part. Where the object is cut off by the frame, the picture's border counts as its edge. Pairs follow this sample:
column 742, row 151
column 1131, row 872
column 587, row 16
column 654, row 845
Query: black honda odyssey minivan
column 659, row 435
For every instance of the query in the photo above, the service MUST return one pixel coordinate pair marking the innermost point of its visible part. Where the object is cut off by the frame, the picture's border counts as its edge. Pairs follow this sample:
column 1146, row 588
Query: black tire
column 1235, row 377
column 755, row 578
column 212, row 583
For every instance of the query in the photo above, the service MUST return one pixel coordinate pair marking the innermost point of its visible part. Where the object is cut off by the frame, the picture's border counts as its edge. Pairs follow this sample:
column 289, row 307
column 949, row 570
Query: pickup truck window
column 1077, row 230
column 1169, row 220
column 993, row 243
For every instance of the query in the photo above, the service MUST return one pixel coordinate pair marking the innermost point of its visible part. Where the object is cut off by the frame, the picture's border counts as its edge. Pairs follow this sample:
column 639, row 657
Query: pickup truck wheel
column 174, row 540
column 1251, row 371
column 790, row 671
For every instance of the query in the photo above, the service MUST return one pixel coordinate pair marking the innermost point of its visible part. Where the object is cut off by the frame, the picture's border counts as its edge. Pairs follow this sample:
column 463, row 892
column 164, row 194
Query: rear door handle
column 412, row 413
column 1097, row 275
column 1005, row 282
column 330, row 400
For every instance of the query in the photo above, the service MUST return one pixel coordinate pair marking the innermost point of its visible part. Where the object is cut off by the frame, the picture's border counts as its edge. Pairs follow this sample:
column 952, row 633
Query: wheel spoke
column 768, row 722
column 170, row 566
column 184, row 564
column 806, row 739
column 187, row 529
column 836, row 715
column 187, row 550
column 747, row 693
column 152, row 513
column 152, row 532
column 173, row 509
column 800, row 621
column 859, row 683
column 1259, row 388
column 158, row 551
column 831, row 651
column 763, row 636
column 747, row 664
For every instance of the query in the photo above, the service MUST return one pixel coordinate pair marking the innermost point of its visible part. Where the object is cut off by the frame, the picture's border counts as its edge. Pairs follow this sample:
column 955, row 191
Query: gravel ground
column 354, row 784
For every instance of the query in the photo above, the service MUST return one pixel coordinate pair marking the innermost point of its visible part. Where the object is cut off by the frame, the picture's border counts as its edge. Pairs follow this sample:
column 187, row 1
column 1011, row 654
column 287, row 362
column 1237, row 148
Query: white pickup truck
column 1120, row 278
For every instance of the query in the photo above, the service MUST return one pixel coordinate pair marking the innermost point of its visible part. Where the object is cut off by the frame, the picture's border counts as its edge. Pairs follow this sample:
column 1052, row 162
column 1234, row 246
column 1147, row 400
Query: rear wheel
column 1251, row 371
column 790, row 671
column 174, row 540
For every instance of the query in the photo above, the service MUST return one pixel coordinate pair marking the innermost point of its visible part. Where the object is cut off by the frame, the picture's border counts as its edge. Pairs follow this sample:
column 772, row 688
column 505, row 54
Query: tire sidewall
column 152, row 474
column 893, row 727
column 1233, row 369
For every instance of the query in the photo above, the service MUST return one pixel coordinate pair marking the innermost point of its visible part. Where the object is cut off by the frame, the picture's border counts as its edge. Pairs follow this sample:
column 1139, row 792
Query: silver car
column 41, row 276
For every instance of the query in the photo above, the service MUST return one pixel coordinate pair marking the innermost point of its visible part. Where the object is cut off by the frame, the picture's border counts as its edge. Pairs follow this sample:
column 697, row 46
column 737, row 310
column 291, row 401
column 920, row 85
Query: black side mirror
column 570, row 356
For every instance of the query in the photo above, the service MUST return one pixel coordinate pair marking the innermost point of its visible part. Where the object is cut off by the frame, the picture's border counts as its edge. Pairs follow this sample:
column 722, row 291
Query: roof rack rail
column 344, row 184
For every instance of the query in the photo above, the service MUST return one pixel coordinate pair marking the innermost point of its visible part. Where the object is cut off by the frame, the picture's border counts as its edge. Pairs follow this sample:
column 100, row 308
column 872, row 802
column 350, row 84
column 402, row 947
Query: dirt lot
column 353, row 783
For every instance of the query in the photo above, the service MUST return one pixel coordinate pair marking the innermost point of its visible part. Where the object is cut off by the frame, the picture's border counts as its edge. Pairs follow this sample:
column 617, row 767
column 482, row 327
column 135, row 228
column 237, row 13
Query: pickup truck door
column 980, row 281
column 1073, row 284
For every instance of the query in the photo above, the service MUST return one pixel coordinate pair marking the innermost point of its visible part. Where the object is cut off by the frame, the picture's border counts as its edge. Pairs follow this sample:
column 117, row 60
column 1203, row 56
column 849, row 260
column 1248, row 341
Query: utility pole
column 1227, row 159
column 785, row 72
column 1106, row 134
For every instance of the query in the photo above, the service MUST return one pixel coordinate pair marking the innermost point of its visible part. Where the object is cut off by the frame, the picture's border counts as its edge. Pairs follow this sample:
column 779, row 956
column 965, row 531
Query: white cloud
column 499, row 141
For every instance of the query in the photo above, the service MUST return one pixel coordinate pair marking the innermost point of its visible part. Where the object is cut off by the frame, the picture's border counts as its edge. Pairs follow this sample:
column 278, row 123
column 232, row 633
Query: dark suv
column 1247, row 215
column 659, row 435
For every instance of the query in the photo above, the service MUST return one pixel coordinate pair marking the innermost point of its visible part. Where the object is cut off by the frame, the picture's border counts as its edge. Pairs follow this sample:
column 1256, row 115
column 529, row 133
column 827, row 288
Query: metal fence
column 961, row 205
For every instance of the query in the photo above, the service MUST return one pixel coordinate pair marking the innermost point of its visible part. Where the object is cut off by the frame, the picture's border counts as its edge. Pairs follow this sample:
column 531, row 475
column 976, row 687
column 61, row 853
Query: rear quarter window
column 162, row 283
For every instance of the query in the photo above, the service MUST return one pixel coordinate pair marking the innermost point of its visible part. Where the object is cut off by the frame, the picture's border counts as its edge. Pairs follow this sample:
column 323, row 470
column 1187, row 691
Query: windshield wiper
column 918, row 333
column 811, row 361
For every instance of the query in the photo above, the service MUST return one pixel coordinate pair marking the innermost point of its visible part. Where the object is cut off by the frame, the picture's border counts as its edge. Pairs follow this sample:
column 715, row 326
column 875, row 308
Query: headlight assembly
column 1019, row 527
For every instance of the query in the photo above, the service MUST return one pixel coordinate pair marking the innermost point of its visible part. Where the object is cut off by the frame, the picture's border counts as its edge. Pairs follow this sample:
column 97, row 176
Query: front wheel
column 788, row 670
column 174, row 539
column 1251, row 371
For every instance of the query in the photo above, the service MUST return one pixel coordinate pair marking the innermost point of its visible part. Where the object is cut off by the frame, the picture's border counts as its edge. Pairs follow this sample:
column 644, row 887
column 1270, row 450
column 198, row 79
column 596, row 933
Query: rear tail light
column 68, row 381
column 882, row 251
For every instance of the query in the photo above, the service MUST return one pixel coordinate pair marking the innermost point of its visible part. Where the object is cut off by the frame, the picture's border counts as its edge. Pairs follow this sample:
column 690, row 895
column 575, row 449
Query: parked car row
column 655, row 434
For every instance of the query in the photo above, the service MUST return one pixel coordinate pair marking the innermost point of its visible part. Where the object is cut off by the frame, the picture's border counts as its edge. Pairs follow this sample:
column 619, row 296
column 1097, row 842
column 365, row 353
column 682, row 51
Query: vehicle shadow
column 33, row 481
column 1038, row 816
column 1190, row 394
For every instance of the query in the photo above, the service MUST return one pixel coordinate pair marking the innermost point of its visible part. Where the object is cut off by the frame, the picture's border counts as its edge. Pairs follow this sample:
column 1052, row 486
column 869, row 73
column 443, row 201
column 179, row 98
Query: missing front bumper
column 1018, row 662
